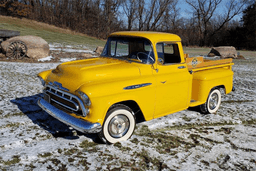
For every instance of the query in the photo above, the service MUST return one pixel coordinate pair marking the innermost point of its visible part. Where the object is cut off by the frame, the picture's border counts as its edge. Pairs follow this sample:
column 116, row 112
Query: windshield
column 129, row 48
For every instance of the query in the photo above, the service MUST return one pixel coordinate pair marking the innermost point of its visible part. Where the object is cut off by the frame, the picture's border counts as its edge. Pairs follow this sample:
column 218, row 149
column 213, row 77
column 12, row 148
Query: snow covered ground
column 30, row 139
column 64, row 53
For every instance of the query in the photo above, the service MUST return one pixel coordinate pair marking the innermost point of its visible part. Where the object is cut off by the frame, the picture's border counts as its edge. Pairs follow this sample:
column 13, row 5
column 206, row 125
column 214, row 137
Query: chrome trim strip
column 78, row 124
column 137, row 86
column 181, row 67
column 84, row 110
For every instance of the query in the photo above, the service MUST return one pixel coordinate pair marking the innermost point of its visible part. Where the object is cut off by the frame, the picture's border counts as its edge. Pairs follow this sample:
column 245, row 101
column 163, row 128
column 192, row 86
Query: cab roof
column 152, row 36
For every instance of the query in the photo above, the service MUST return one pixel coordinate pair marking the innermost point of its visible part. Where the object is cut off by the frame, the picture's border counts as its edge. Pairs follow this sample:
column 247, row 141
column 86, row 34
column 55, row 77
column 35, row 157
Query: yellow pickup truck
column 138, row 75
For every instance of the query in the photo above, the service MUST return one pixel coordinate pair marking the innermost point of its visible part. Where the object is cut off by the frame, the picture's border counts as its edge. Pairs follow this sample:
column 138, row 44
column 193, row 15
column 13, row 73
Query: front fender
column 103, row 95
column 44, row 74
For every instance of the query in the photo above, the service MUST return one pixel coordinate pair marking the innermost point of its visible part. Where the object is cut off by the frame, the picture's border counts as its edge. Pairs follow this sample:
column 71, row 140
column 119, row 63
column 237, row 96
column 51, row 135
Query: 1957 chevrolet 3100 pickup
column 138, row 74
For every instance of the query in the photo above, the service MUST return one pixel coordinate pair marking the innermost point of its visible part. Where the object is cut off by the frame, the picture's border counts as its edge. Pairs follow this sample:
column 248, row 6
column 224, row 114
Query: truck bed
column 199, row 63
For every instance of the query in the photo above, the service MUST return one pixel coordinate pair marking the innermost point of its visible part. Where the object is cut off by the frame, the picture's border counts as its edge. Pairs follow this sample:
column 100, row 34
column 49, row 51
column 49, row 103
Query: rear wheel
column 119, row 125
column 213, row 102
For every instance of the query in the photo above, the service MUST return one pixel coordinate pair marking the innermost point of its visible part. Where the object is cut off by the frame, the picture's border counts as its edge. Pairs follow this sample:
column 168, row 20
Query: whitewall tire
column 213, row 102
column 119, row 125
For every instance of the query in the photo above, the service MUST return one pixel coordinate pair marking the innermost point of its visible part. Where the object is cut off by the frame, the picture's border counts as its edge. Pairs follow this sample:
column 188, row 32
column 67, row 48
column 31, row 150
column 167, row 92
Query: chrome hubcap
column 118, row 126
column 213, row 101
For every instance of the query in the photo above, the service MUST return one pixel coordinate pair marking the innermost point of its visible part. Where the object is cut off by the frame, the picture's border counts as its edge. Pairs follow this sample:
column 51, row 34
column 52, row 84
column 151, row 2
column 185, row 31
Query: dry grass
column 37, row 25
column 50, row 33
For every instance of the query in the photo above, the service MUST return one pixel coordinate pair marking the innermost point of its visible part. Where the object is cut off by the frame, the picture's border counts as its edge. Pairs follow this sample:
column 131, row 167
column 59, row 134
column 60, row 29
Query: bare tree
column 233, row 8
column 141, row 10
column 170, row 20
column 159, row 12
column 110, row 11
column 129, row 7
column 149, row 15
column 204, row 10
column 14, row 8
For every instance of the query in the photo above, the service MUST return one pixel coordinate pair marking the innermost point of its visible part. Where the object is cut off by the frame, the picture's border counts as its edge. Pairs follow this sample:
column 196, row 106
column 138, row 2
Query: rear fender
column 204, row 81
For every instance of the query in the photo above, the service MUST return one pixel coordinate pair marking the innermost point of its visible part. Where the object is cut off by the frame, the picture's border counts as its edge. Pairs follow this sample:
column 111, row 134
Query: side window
column 168, row 48
column 169, row 53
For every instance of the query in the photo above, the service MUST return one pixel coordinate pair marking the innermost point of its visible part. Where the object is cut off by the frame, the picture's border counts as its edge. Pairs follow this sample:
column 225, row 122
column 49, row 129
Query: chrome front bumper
column 78, row 124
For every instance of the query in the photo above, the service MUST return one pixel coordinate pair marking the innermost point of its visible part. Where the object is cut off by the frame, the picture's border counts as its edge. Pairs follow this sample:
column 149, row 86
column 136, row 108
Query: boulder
column 224, row 52
column 37, row 47
column 240, row 57
column 99, row 49
column 87, row 55
column 211, row 55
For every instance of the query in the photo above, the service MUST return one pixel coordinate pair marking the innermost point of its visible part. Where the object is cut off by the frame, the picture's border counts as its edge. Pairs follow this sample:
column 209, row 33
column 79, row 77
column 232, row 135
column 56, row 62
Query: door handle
column 181, row 67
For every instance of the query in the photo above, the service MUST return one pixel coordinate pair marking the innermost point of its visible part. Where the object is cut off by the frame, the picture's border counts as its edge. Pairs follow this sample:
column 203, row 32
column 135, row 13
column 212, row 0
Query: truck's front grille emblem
column 59, row 86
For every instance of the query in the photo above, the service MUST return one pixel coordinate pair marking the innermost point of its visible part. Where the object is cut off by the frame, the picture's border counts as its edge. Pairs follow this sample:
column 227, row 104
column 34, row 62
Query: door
column 173, row 81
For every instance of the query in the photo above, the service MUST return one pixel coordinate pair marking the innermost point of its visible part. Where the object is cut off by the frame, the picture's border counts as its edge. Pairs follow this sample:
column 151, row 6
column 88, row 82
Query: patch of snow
column 70, row 48
column 48, row 58
column 77, row 50
column 67, row 59
column 211, row 58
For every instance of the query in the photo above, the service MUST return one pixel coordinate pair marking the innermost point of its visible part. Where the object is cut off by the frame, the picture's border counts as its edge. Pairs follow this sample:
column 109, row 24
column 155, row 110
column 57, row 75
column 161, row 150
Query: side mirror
column 160, row 61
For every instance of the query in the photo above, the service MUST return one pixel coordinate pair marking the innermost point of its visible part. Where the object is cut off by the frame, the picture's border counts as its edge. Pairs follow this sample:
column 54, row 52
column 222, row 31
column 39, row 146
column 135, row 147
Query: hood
column 74, row 74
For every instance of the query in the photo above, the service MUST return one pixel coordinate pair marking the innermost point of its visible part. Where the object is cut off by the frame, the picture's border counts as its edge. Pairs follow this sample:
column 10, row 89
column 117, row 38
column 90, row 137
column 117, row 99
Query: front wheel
column 119, row 125
column 213, row 102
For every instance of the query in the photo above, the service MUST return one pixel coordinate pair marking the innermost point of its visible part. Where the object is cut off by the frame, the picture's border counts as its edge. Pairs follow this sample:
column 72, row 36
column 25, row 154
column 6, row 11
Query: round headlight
column 42, row 81
column 85, row 98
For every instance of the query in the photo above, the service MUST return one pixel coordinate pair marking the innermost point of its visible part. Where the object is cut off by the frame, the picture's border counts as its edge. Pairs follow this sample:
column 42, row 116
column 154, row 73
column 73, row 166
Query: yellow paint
column 171, row 89
column 205, row 80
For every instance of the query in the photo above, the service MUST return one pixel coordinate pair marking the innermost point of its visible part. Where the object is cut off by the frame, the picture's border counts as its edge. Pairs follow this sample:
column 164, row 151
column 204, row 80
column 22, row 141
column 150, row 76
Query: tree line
column 209, row 22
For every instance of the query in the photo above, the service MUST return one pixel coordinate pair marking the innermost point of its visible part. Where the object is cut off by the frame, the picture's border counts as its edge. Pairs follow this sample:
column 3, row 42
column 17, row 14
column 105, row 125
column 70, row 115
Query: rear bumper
column 78, row 124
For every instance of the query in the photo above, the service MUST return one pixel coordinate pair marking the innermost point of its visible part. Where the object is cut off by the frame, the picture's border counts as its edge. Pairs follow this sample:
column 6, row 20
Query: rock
column 211, row 55
column 224, row 52
column 99, row 49
column 87, row 55
column 37, row 47
column 240, row 57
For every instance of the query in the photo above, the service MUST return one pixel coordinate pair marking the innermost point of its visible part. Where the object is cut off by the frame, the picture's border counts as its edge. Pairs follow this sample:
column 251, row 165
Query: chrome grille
column 65, row 100
column 62, row 99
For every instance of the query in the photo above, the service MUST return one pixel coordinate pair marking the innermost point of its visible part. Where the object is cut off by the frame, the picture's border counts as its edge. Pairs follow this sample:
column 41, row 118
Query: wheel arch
column 204, row 96
column 220, row 87
column 133, row 105
column 217, row 87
